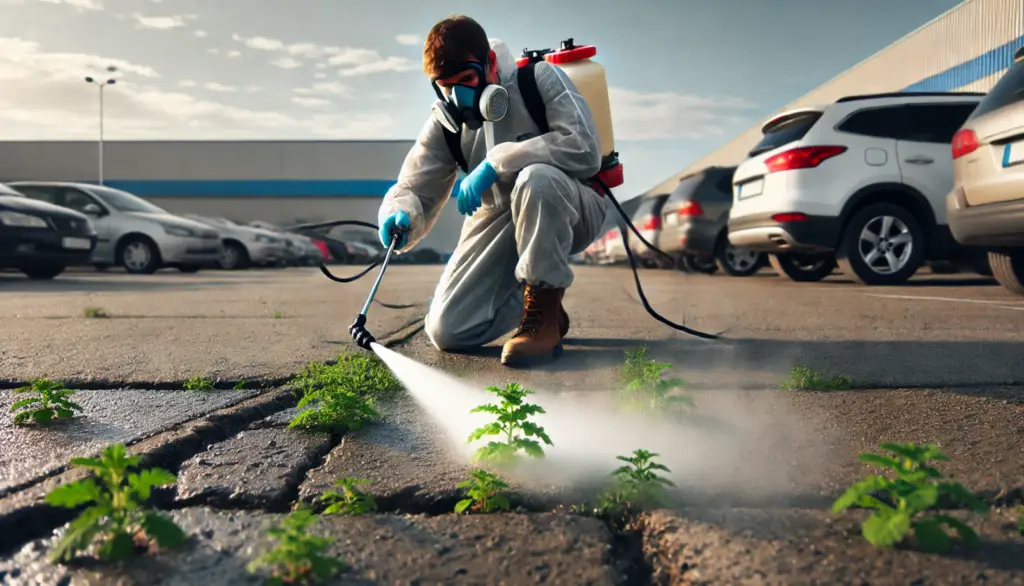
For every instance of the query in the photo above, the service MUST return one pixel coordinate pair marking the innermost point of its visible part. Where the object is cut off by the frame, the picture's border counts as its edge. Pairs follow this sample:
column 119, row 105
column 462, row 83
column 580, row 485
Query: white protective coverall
column 538, row 214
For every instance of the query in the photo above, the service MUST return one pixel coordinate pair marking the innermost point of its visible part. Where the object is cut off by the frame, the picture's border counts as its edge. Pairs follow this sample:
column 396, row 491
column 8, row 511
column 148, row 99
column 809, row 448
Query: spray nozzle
column 360, row 335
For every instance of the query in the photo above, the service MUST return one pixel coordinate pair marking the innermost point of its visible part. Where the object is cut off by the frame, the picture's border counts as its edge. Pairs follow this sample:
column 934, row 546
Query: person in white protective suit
column 528, row 202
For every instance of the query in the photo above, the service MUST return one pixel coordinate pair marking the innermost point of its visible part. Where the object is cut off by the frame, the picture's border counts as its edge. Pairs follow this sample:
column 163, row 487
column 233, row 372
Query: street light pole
column 102, row 85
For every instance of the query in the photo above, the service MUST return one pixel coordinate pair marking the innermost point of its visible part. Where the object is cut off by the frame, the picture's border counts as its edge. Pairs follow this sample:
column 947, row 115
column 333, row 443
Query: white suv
column 863, row 180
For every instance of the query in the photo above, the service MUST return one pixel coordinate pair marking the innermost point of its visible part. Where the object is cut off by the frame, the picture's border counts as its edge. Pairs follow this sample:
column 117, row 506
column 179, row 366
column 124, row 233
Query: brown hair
column 450, row 43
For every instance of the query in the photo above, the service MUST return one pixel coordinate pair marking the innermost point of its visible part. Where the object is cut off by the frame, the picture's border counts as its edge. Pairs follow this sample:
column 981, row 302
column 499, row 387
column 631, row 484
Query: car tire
column 42, row 271
column 189, row 269
column 802, row 268
column 235, row 257
column 100, row 267
column 703, row 266
column 860, row 255
column 737, row 262
column 138, row 255
column 1008, row 268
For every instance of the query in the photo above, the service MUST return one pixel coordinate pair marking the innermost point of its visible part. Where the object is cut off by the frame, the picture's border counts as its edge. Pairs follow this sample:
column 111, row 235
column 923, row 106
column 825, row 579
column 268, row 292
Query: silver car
column 300, row 249
column 245, row 246
column 131, row 232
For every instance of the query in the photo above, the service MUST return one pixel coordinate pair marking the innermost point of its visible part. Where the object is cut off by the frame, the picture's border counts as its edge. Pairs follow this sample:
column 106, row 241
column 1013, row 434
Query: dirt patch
column 256, row 469
column 748, row 546
column 380, row 549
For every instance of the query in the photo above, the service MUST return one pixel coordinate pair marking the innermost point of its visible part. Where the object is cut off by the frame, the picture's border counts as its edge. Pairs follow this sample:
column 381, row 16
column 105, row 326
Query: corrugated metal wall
column 967, row 49
column 202, row 160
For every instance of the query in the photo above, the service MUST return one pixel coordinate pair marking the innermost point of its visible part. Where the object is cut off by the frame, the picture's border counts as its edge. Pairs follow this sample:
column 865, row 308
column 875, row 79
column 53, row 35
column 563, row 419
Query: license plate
column 1013, row 154
column 77, row 243
column 671, row 220
column 750, row 189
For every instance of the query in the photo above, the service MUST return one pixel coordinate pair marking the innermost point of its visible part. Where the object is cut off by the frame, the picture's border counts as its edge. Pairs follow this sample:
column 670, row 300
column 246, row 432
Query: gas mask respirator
column 472, row 106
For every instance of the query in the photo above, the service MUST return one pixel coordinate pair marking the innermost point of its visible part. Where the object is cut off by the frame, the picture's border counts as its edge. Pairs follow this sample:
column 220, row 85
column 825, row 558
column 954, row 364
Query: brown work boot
column 563, row 321
column 539, row 336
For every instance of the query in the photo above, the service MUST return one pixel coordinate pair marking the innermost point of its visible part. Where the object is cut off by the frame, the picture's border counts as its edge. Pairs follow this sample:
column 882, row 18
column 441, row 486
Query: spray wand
column 363, row 338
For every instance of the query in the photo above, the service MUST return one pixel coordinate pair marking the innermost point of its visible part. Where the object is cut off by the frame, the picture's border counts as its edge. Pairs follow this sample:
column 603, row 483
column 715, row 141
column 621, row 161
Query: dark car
column 694, row 223
column 42, row 239
column 647, row 220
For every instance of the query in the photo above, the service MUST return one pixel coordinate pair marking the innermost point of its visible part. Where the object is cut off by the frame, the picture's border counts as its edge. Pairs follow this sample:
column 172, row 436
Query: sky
column 685, row 76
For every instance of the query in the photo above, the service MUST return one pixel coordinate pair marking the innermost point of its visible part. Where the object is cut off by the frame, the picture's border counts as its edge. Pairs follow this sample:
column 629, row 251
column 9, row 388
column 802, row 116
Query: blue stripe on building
column 298, row 188
column 982, row 66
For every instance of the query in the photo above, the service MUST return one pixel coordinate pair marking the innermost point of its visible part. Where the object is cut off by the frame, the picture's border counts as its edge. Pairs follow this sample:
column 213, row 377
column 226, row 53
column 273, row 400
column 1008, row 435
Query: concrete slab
column 256, row 469
column 109, row 416
column 380, row 549
column 746, row 546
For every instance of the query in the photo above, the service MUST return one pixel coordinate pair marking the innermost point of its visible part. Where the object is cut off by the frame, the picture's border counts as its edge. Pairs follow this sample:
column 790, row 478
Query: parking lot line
column 998, row 304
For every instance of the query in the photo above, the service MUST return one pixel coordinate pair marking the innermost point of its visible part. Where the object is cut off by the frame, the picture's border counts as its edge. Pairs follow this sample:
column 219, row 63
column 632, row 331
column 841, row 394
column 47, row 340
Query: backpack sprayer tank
column 589, row 78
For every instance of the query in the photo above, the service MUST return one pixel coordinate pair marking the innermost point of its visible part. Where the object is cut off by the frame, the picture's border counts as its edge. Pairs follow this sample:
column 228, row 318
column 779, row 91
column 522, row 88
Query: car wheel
column 737, row 262
column 138, row 255
column 803, row 268
column 1008, row 268
column 234, row 257
column 696, row 264
column 883, row 244
column 188, row 268
column 42, row 271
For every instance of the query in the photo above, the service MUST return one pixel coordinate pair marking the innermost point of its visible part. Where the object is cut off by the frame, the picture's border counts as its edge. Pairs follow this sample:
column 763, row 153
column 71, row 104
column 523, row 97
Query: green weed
column 95, row 312
column 485, row 492
column 647, row 390
column 116, row 516
column 277, row 315
column 802, row 378
column 199, row 384
column 512, row 418
column 349, row 500
column 341, row 395
column 636, row 485
column 899, row 503
column 51, row 402
column 1020, row 519
column 298, row 557
column 240, row 385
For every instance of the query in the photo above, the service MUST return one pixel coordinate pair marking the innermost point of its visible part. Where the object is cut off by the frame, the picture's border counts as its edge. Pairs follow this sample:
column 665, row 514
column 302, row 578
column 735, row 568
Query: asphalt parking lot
column 940, row 359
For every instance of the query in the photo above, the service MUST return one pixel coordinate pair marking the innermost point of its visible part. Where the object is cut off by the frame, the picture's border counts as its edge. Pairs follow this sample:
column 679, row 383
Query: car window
column 887, row 122
column 4, row 190
column 650, row 206
column 936, row 123
column 790, row 130
column 1008, row 90
column 123, row 201
column 75, row 199
column 724, row 183
column 686, row 187
column 46, row 194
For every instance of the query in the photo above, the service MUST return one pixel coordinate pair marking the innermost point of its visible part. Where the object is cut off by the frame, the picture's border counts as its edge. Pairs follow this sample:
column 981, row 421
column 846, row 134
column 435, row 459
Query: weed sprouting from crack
column 485, row 493
column 298, row 557
column 802, row 378
column 900, row 503
column 277, row 315
column 240, row 385
column 51, row 402
column 341, row 396
column 512, row 418
column 635, row 485
column 199, row 384
column 116, row 515
column 94, row 313
column 1020, row 519
column 349, row 500
column 646, row 389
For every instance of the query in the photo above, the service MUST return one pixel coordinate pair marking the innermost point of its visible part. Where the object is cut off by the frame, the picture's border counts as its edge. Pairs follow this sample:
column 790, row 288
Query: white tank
column 589, row 78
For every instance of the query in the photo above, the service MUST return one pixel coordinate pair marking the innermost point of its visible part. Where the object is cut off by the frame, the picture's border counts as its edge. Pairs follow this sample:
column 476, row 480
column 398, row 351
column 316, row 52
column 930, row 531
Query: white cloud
column 234, row 54
column 393, row 64
column 159, row 22
column 324, row 89
column 286, row 63
column 311, row 102
column 81, row 5
column 408, row 39
column 213, row 51
column 668, row 115
column 220, row 88
column 253, row 89
column 320, row 75
column 201, row 34
column 260, row 43
column 44, row 97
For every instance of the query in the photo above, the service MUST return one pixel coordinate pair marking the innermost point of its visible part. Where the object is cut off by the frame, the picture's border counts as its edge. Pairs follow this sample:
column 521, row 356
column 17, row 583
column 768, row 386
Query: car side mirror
column 92, row 210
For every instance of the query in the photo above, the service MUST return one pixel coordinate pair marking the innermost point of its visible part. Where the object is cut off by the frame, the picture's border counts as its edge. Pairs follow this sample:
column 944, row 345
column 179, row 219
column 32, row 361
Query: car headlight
column 20, row 220
column 264, row 239
column 178, row 231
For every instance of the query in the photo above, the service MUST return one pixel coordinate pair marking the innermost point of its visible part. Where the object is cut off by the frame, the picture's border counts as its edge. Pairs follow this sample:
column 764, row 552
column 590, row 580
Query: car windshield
column 791, row 129
column 123, row 201
column 1008, row 90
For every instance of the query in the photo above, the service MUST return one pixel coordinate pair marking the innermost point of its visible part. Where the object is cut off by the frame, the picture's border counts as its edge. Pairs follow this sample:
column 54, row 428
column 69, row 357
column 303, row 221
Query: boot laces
column 530, row 323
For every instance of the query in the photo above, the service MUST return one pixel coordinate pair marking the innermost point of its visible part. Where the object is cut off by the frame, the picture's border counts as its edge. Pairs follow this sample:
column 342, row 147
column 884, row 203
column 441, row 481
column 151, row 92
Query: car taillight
column 652, row 223
column 965, row 142
column 790, row 217
column 802, row 158
column 690, row 208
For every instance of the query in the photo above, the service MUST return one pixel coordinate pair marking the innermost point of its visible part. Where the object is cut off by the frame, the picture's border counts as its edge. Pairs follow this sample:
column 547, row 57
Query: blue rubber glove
column 399, row 219
column 473, row 186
